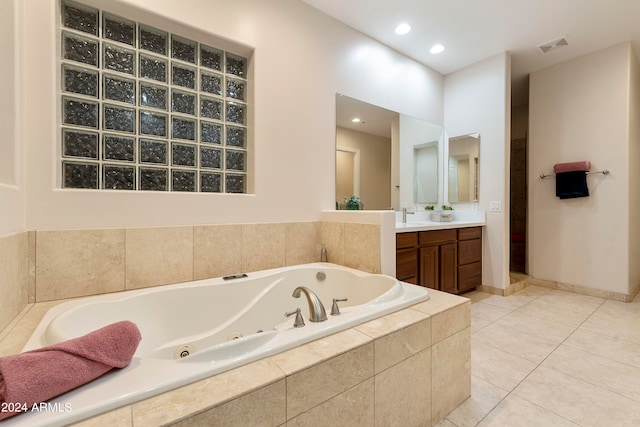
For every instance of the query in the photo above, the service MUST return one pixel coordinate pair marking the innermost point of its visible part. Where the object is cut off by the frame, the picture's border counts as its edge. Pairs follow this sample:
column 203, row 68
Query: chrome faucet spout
column 317, row 312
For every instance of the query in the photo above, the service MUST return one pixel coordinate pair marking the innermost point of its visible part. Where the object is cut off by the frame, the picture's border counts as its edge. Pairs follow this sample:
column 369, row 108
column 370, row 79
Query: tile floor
column 549, row 358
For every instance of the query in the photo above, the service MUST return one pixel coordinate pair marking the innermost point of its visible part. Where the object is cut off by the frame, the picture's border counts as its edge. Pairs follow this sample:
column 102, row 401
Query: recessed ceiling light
column 355, row 120
column 403, row 28
column 437, row 48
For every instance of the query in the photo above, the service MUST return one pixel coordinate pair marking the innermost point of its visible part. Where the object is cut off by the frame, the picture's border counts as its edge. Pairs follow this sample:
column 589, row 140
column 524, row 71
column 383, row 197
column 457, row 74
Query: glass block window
column 145, row 109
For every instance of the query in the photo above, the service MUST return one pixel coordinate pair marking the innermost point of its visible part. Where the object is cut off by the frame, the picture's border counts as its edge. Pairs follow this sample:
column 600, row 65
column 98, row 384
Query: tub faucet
column 317, row 312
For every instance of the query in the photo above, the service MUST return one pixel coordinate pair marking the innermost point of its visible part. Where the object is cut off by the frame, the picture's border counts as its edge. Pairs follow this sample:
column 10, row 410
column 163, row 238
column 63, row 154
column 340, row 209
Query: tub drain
column 234, row 336
column 183, row 351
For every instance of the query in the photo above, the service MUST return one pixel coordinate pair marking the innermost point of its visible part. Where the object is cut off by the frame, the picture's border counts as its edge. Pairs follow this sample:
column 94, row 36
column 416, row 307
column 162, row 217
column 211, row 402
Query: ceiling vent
column 552, row 45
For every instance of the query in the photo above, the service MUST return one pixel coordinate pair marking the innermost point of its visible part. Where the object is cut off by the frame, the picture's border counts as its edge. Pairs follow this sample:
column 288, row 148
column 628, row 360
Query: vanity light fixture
column 403, row 28
column 437, row 49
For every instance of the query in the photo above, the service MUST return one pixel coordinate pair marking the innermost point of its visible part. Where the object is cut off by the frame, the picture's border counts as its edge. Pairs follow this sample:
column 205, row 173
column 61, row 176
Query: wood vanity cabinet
column 448, row 260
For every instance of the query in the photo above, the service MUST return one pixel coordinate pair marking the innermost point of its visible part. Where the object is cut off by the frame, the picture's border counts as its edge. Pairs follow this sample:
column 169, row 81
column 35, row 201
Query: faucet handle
column 299, row 322
column 335, row 310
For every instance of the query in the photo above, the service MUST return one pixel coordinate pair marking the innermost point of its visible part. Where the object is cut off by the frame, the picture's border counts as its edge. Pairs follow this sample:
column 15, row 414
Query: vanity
column 446, row 256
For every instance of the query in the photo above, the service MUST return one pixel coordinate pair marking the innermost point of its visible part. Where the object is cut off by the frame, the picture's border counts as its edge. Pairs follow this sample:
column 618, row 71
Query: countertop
column 420, row 221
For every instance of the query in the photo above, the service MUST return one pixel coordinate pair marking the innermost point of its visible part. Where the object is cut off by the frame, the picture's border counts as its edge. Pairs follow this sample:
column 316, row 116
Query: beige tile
column 451, row 321
column 484, row 397
column 72, row 263
column 609, row 374
column 511, row 302
column 403, row 393
column 362, row 247
column 391, row 323
column 514, row 341
column 158, row 256
column 476, row 296
column 573, row 316
column 445, row 423
column 119, row 417
column 217, row 250
column 328, row 379
column 318, row 351
column 611, row 321
column 451, row 373
column 606, row 346
column 489, row 312
column 354, row 407
column 517, row 412
column 502, row 369
column 263, row 407
column 438, row 302
column 302, row 242
column 31, row 235
column 14, row 276
column 263, row 246
column 544, row 328
column 477, row 324
column 578, row 401
column 203, row 395
column 333, row 239
column 398, row 346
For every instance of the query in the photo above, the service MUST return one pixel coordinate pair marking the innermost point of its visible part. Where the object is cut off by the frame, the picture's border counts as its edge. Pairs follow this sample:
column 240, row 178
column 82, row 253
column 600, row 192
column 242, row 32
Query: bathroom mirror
column 463, row 168
column 386, row 158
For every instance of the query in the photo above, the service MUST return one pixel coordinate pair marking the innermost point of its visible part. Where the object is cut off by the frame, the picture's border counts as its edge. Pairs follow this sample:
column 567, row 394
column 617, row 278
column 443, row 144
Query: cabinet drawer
column 437, row 236
column 406, row 240
column 469, row 251
column 469, row 233
column 469, row 276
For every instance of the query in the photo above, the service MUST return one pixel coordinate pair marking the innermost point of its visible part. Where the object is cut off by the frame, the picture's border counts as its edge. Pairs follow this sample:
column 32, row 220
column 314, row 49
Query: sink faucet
column 317, row 312
column 404, row 215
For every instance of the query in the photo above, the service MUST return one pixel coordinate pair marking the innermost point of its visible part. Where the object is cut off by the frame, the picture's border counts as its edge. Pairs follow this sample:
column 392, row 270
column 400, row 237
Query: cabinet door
column 448, row 268
column 469, row 276
column 429, row 267
column 407, row 265
column 469, row 251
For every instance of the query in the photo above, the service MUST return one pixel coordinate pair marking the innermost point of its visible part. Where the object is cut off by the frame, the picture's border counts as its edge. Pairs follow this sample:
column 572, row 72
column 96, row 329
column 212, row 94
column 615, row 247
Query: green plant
column 352, row 204
column 446, row 208
column 429, row 207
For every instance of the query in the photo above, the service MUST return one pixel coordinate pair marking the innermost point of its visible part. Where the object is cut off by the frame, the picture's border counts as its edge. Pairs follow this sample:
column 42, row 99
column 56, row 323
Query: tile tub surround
column 74, row 263
column 14, row 276
column 412, row 367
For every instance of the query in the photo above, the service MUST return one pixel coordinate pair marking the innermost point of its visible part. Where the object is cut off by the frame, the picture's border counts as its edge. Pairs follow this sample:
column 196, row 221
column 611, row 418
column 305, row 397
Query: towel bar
column 604, row 172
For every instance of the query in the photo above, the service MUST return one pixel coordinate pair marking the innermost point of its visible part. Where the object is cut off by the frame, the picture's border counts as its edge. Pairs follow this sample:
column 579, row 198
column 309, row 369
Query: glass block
column 80, row 18
column 118, row 89
column 118, row 177
column 211, row 58
column 236, row 136
column 183, row 49
column 183, row 180
column 235, row 183
column 119, row 118
column 210, row 133
column 153, row 68
column 118, row 59
column 152, row 151
column 79, row 144
column 210, row 158
column 183, row 102
column 210, row 182
column 119, row 29
column 79, row 175
column 183, row 128
column 153, row 96
column 236, row 113
column 118, row 148
column 80, row 49
column 80, row 81
column 211, row 83
column 153, row 179
column 183, row 155
column 211, row 108
column 153, row 40
column 153, row 123
column 236, row 65
column 182, row 76
column 81, row 113
column 236, row 89
column 236, row 160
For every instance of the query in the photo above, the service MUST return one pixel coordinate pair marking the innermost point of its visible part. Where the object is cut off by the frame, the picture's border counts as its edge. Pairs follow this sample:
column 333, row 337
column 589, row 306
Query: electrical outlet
column 495, row 206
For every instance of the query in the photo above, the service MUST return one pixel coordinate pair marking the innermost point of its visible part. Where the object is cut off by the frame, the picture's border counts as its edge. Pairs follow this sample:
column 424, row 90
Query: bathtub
column 194, row 330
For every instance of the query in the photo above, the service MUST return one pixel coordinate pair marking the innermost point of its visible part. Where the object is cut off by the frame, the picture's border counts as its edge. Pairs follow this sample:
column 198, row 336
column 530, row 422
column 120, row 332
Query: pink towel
column 38, row 375
column 572, row 167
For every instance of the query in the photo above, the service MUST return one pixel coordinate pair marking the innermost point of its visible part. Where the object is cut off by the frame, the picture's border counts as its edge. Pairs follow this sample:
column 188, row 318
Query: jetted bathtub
column 198, row 329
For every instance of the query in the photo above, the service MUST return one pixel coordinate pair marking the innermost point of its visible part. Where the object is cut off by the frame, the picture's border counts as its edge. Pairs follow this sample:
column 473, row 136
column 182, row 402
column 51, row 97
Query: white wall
column 634, row 172
column 579, row 110
column 12, row 200
column 477, row 100
column 302, row 58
